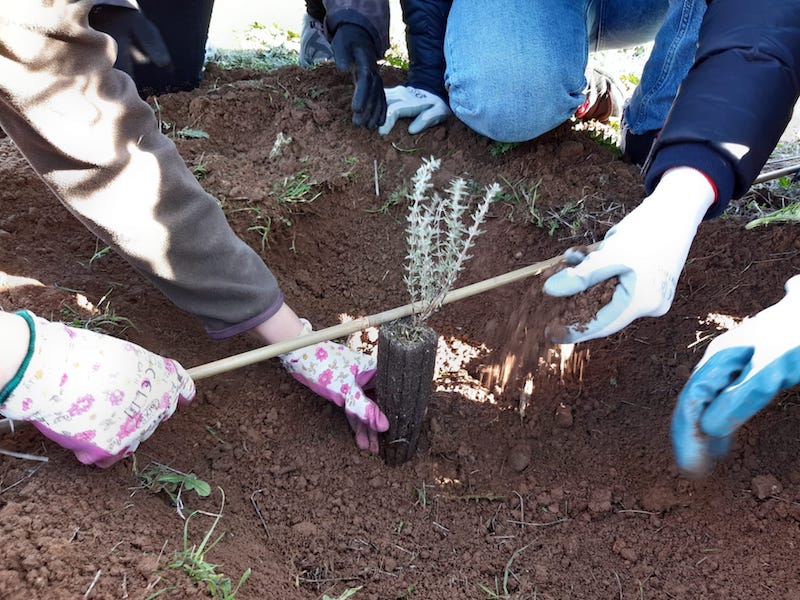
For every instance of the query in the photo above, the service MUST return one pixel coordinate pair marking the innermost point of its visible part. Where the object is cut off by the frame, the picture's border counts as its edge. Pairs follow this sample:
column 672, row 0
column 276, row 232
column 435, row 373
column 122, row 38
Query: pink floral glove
column 340, row 375
column 94, row 394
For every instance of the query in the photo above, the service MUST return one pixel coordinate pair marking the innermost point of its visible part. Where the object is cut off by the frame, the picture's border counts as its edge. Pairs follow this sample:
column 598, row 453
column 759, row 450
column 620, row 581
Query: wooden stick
column 793, row 170
column 329, row 333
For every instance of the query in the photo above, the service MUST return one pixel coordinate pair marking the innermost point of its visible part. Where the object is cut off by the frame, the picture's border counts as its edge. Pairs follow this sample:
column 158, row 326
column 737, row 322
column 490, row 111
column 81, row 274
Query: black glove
column 636, row 146
column 354, row 51
column 138, row 40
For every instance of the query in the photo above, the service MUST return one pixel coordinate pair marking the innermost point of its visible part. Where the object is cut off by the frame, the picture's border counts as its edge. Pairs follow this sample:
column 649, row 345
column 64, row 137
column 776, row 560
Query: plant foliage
column 439, row 240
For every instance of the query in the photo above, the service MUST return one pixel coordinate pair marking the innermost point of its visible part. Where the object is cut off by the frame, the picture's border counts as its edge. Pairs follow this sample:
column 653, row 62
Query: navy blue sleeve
column 426, row 22
column 736, row 100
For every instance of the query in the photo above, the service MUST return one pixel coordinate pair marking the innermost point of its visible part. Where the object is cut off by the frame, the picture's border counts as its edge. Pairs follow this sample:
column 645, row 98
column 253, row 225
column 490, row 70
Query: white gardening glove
column 740, row 373
column 340, row 375
column 94, row 394
column 647, row 251
column 402, row 101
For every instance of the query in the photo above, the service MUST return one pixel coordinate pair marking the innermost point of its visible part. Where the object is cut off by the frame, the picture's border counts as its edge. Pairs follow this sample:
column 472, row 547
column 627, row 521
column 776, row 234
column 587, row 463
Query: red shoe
column 604, row 98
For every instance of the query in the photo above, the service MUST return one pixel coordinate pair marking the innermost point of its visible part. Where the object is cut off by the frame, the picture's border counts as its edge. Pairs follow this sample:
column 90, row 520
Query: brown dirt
column 578, row 498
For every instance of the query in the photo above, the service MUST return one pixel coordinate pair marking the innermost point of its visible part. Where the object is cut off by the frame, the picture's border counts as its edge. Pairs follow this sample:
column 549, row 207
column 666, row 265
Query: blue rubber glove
column 403, row 101
column 740, row 372
column 646, row 250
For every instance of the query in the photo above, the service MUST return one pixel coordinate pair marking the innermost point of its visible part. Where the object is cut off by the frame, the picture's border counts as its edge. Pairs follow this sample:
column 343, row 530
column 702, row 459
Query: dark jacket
column 372, row 15
column 426, row 22
column 736, row 100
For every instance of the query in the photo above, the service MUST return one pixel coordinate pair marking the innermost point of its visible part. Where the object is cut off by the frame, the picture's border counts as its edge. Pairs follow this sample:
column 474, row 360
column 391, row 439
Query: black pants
column 184, row 26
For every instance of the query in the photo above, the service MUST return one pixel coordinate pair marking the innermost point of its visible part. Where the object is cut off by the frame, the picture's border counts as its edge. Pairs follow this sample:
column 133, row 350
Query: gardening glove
column 94, row 394
column 355, row 52
column 138, row 40
column 740, row 372
column 340, row 375
column 427, row 108
column 646, row 250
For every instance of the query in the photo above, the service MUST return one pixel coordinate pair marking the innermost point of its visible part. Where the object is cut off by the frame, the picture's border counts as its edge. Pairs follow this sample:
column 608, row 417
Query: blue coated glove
column 646, row 250
column 740, row 372
column 403, row 101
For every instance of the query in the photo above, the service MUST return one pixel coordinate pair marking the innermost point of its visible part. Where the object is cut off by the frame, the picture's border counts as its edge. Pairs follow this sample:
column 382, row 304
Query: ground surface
column 576, row 498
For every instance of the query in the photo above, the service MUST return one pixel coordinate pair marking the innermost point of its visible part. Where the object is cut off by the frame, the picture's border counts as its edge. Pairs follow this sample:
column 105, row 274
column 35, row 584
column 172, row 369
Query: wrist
column 283, row 325
column 687, row 192
column 16, row 348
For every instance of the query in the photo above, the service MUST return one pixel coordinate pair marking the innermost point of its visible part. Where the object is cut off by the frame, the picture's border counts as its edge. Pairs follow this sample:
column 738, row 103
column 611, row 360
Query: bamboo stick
column 329, row 333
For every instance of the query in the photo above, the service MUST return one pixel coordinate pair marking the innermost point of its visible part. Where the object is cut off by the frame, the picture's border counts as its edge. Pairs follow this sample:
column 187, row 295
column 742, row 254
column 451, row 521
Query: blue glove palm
column 741, row 371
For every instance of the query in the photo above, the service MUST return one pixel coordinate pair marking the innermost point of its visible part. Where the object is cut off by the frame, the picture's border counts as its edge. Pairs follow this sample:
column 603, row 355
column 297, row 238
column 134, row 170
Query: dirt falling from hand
column 524, row 342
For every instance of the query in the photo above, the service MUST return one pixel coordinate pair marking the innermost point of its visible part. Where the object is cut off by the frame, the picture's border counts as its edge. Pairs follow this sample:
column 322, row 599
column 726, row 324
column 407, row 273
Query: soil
column 574, row 496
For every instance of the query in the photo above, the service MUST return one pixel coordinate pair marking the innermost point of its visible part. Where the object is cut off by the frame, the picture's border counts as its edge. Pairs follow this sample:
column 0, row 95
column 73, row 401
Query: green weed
column 98, row 252
column 422, row 496
column 344, row 595
column 192, row 560
column 199, row 170
column 264, row 59
column 189, row 133
column 102, row 318
column 158, row 478
column 500, row 148
column 497, row 591
column 786, row 214
column 295, row 189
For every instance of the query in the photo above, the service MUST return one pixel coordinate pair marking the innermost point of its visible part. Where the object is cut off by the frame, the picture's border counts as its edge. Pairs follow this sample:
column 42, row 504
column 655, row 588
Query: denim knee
column 510, row 107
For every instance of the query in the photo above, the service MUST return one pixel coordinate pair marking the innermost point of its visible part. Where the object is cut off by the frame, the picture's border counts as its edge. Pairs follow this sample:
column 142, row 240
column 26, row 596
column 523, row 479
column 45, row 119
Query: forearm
column 14, row 342
column 737, row 99
column 372, row 15
column 426, row 23
column 83, row 128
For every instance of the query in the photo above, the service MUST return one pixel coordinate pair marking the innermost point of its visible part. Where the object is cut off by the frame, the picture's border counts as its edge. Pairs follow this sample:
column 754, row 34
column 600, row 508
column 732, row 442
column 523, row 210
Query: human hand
column 646, row 250
column 740, row 372
column 406, row 101
column 354, row 51
column 340, row 375
column 138, row 40
column 94, row 394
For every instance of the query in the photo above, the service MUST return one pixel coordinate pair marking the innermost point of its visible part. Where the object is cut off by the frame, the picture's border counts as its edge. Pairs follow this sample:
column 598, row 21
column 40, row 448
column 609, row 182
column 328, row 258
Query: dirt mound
column 577, row 498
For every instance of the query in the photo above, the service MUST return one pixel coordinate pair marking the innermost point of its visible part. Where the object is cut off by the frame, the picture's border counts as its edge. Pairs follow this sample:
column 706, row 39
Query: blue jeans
column 516, row 68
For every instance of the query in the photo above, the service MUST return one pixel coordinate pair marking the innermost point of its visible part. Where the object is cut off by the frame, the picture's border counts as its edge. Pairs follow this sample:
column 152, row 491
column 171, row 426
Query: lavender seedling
column 439, row 240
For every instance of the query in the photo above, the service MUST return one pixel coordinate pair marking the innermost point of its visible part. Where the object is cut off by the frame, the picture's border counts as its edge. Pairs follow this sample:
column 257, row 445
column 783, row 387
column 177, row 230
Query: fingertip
column 563, row 283
column 382, row 423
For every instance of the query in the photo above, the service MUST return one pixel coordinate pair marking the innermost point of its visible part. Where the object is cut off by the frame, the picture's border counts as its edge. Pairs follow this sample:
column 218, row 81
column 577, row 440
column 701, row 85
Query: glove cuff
column 9, row 388
column 307, row 328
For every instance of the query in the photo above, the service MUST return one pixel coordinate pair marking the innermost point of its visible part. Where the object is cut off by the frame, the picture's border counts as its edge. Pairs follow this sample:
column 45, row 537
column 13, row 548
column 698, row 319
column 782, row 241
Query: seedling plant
column 439, row 242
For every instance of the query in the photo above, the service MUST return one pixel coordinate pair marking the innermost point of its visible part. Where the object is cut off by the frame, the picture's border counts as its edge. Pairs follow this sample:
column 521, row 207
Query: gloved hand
column 340, row 375
column 646, row 250
column 138, row 40
column 354, row 51
column 406, row 101
column 94, row 394
column 740, row 372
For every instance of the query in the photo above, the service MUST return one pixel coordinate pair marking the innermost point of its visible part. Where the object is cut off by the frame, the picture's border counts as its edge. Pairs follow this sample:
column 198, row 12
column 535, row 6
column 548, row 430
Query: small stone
column 563, row 416
column 765, row 486
column 519, row 457
column 305, row 528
